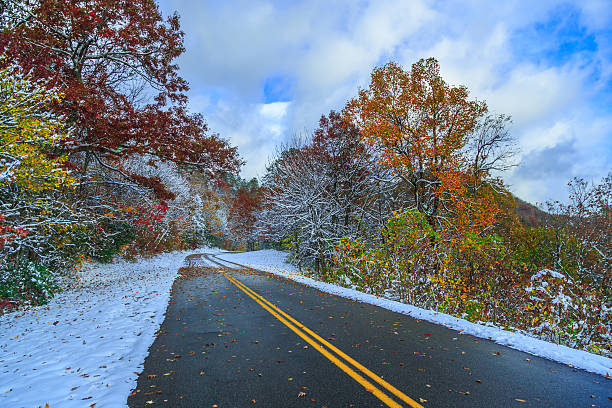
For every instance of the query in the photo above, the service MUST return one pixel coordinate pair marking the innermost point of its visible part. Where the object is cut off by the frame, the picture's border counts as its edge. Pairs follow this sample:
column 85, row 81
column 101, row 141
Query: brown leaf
column 519, row 400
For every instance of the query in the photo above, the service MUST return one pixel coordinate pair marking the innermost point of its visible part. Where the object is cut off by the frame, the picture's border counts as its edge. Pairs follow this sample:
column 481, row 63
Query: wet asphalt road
column 217, row 347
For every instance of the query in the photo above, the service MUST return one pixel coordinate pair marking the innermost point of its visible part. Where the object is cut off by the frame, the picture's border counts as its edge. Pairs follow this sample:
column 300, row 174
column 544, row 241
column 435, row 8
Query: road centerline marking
column 339, row 352
column 296, row 326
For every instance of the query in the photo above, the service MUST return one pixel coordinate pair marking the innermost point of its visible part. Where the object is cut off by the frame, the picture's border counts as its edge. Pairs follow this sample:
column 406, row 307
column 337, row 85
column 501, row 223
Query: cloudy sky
column 261, row 71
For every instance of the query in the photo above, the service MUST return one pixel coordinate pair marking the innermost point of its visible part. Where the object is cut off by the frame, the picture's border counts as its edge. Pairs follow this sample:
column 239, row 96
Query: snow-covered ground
column 87, row 345
column 275, row 262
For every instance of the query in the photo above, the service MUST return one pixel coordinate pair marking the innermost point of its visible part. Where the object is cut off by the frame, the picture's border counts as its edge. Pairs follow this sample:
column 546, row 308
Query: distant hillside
column 529, row 214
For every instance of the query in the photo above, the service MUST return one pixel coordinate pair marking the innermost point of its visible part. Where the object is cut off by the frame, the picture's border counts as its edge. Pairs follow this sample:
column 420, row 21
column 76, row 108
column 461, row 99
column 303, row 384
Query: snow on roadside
column 85, row 347
column 275, row 262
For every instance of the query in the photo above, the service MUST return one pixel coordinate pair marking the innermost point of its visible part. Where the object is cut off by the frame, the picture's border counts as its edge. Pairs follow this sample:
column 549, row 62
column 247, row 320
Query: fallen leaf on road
column 519, row 400
column 151, row 375
column 422, row 400
column 301, row 394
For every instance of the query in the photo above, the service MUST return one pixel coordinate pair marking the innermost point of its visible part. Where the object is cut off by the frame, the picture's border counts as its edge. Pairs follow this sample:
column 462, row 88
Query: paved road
column 220, row 346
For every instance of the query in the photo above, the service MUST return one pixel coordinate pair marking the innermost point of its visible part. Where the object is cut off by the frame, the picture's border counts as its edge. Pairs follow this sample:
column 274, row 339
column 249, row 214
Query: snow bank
column 275, row 262
column 86, row 346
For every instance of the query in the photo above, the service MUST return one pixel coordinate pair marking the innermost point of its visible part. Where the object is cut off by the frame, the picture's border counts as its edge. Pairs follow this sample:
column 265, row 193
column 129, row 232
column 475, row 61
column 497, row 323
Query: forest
column 398, row 193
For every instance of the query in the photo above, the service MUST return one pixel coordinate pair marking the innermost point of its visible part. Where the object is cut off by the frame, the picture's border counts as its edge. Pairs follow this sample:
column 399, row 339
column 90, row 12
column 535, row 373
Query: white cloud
column 328, row 50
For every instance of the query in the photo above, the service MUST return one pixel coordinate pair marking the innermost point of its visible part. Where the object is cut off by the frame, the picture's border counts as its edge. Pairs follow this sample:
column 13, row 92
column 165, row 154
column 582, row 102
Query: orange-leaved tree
column 439, row 142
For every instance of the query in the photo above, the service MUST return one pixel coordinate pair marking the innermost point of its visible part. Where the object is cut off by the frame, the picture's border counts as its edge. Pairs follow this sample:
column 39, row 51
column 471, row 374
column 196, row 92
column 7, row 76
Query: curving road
column 236, row 337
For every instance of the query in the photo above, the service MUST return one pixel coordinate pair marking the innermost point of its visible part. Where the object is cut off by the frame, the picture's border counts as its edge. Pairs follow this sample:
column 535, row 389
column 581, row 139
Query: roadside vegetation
column 400, row 195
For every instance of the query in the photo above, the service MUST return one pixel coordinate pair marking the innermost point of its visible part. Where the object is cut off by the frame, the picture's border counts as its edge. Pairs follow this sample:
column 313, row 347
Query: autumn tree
column 440, row 143
column 115, row 62
column 34, row 181
column 245, row 203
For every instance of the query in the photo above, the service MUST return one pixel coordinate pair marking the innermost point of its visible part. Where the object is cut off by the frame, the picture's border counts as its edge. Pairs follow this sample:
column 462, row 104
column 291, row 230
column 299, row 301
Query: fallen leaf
column 301, row 394
column 519, row 400
column 422, row 400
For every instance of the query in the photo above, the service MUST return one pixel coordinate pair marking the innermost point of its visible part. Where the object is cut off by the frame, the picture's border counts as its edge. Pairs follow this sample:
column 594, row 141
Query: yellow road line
column 356, row 364
column 276, row 312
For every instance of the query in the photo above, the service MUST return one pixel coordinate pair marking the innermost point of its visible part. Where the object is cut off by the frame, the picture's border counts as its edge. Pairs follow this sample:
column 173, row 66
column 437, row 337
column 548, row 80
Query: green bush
column 27, row 282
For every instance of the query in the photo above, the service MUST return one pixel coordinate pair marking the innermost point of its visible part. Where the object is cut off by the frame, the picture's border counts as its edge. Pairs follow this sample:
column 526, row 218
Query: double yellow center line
column 320, row 344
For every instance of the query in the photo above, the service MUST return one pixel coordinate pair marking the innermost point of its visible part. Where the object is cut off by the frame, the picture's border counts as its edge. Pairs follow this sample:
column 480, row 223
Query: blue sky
column 262, row 71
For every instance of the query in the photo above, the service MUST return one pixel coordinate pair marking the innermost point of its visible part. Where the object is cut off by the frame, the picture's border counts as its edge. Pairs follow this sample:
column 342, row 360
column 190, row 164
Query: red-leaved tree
column 115, row 62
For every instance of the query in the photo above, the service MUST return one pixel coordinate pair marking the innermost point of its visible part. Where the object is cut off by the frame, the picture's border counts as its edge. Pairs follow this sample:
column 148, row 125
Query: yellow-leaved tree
column 29, row 134
column 34, row 209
